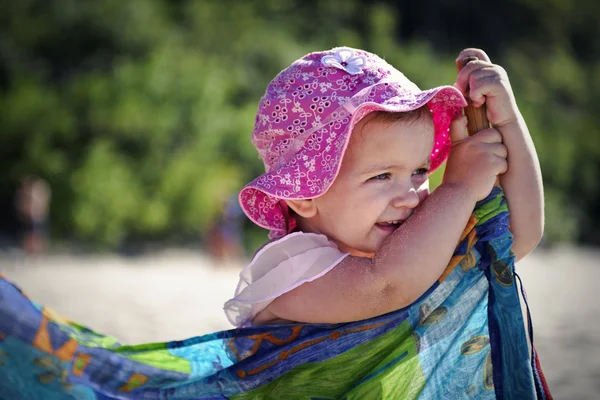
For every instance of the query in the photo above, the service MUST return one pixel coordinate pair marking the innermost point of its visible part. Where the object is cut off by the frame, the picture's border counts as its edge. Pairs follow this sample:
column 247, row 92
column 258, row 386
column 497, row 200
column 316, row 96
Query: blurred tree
column 139, row 113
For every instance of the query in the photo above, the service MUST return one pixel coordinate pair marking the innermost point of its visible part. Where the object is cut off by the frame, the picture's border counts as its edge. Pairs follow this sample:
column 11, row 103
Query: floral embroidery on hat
column 345, row 60
column 306, row 117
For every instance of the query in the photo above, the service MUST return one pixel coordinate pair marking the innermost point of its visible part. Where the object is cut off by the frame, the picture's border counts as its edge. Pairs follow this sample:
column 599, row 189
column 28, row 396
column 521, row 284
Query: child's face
column 382, row 179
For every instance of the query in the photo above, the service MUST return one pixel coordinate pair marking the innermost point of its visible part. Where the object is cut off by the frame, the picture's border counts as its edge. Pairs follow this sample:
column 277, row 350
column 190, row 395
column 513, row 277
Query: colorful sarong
column 464, row 338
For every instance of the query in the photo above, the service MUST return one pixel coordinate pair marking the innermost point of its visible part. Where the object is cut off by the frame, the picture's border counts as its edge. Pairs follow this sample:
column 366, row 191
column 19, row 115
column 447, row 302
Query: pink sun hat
column 305, row 119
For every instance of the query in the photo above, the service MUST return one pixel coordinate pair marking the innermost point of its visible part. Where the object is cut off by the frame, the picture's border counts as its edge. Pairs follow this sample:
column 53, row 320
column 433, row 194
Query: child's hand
column 475, row 161
column 484, row 82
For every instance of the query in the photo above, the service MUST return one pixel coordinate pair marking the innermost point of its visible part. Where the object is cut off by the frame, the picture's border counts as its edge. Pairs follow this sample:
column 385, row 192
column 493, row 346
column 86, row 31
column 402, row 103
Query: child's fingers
column 490, row 135
column 458, row 129
column 464, row 76
column 485, row 82
column 501, row 165
column 498, row 149
column 470, row 53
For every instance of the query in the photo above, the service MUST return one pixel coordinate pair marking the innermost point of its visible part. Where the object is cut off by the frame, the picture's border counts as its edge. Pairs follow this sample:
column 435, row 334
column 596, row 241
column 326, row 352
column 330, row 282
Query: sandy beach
column 177, row 294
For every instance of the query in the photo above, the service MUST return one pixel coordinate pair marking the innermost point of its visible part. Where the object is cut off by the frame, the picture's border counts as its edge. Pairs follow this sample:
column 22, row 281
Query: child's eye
column 421, row 171
column 381, row 177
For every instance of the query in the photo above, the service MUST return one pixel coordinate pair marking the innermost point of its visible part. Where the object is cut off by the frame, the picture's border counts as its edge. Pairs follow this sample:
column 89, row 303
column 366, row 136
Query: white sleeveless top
column 277, row 268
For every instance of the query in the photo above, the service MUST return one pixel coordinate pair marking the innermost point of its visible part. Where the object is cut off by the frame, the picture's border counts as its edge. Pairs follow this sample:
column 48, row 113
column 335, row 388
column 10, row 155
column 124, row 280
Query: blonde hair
column 421, row 113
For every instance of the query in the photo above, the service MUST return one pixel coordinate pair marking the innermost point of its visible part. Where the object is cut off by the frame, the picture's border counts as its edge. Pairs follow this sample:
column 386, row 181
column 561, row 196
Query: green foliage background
column 139, row 112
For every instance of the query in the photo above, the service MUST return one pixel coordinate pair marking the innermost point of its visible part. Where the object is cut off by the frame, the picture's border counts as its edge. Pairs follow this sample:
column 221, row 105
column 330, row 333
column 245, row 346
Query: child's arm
column 415, row 255
column 522, row 183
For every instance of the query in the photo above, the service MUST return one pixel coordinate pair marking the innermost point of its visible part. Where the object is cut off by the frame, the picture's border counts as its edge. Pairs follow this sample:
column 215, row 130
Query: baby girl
column 348, row 144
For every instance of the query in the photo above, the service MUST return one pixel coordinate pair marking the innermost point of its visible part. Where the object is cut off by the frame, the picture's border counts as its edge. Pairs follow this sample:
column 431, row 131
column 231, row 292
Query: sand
column 179, row 294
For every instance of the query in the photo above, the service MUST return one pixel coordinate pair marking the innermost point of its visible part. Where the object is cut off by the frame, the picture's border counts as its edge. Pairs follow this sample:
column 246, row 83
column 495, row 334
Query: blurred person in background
column 224, row 238
column 32, row 204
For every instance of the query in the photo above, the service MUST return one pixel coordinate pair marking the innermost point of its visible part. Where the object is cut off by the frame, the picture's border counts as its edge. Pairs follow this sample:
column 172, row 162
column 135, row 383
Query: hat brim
column 299, row 179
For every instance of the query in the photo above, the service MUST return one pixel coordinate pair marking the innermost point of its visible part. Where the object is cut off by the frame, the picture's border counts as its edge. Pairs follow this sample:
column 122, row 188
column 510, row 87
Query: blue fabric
column 464, row 338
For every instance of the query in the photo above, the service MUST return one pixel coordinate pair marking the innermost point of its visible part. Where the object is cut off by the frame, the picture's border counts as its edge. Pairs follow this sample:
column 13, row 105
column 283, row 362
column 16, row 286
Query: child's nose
column 406, row 198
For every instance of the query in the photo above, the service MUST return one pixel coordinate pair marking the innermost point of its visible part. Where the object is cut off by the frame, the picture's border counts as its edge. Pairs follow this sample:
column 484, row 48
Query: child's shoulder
column 277, row 268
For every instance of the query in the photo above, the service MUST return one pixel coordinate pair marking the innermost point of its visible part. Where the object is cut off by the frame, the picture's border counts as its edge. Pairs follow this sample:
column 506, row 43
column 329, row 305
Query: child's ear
column 306, row 208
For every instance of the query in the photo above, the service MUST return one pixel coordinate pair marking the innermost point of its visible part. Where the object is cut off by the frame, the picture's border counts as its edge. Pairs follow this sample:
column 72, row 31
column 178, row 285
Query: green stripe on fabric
column 384, row 368
column 86, row 336
column 156, row 355
column 490, row 209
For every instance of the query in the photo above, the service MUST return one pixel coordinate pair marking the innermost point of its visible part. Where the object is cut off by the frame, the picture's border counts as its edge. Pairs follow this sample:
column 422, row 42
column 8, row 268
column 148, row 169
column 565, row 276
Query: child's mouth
column 390, row 226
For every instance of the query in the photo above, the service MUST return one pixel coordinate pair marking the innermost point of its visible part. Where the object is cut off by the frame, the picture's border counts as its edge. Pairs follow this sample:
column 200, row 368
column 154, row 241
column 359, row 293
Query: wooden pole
column 476, row 117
